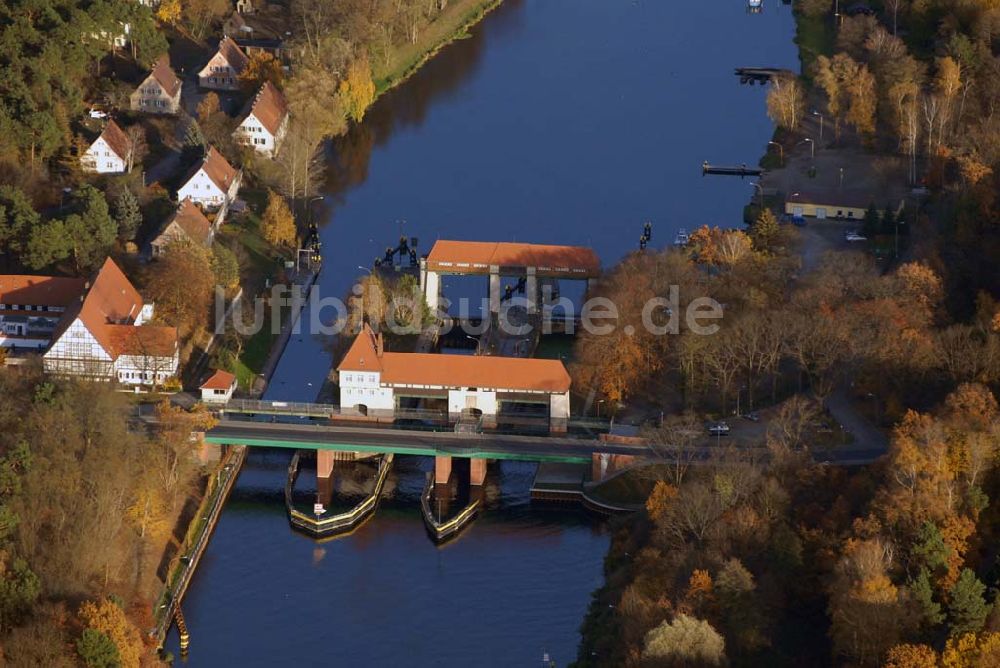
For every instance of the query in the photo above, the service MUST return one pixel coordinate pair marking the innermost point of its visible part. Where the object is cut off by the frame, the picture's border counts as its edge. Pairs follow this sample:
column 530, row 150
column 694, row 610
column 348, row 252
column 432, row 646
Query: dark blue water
column 558, row 121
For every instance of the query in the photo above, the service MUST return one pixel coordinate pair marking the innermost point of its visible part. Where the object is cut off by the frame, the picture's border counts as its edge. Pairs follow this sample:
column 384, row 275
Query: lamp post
column 364, row 269
column 781, row 150
column 760, row 190
column 896, row 241
column 599, row 402
column 812, row 147
column 816, row 113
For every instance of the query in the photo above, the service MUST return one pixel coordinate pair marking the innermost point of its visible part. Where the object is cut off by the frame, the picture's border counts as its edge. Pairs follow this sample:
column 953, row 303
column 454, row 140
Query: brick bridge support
column 442, row 469
column 477, row 472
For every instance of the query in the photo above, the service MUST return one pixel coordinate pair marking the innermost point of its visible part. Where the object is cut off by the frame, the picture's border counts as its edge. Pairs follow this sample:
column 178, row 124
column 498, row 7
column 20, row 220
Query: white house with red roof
column 371, row 378
column 160, row 92
column 187, row 223
column 223, row 70
column 31, row 308
column 213, row 183
column 218, row 388
column 102, row 335
column 111, row 153
column 264, row 122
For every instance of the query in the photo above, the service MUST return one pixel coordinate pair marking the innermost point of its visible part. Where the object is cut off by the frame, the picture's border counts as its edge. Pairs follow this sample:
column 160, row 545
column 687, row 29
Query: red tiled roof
column 268, row 107
column 191, row 220
column 220, row 380
column 116, row 138
column 164, row 75
column 39, row 290
column 455, row 371
column 110, row 302
column 153, row 340
column 218, row 170
column 233, row 54
column 477, row 256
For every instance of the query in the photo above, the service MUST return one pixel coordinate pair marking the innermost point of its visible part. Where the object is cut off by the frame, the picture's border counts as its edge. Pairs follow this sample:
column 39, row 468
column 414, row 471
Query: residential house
column 103, row 335
column 219, row 388
column 222, row 72
column 31, row 308
column 110, row 153
column 265, row 121
column 212, row 184
column 187, row 223
column 160, row 92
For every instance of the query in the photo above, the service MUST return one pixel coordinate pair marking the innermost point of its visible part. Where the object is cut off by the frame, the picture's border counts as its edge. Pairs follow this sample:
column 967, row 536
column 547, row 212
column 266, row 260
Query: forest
column 763, row 556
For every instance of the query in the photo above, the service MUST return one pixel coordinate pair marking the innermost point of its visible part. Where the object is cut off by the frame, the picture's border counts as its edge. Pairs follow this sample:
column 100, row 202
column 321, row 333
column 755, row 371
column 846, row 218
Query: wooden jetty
column 761, row 75
column 739, row 170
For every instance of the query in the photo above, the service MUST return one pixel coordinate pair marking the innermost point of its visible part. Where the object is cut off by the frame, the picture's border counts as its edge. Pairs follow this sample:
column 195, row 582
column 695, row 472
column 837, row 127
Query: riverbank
column 453, row 24
column 196, row 540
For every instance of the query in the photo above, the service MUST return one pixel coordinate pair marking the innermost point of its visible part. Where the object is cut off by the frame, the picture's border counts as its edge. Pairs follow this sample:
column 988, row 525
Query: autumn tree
column 277, row 224
column 357, row 90
column 786, row 102
column 868, row 614
column 262, row 66
column 169, row 11
column 107, row 618
column 182, row 284
column 863, row 100
column 685, row 641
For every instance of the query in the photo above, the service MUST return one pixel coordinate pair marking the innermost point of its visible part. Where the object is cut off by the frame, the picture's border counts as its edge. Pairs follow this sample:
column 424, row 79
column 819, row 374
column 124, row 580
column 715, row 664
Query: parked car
column 718, row 429
column 854, row 236
column 753, row 416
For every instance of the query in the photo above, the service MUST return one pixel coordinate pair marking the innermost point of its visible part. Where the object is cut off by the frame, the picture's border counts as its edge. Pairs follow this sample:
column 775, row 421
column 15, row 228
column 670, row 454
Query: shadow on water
column 406, row 107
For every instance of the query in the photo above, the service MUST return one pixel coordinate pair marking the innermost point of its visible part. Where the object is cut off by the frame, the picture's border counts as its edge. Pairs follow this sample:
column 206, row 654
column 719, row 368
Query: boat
column 755, row 6
column 682, row 238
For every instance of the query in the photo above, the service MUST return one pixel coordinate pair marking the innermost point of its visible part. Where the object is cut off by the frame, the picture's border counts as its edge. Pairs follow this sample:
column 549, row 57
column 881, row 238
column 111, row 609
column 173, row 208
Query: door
column 821, row 213
column 797, row 211
column 470, row 402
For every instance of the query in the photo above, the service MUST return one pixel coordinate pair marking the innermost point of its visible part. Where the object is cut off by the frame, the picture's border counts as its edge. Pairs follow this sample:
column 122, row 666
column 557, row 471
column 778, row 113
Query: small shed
column 219, row 387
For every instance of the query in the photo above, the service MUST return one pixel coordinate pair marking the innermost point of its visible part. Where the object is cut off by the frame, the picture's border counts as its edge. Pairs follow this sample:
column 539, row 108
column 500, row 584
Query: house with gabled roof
column 264, row 122
column 373, row 379
column 218, row 388
column 160, row 92
column 111, row 153
column 187, row 223
column 212, row 184
column 223, row 70
column 103, row 335
column 31, row 308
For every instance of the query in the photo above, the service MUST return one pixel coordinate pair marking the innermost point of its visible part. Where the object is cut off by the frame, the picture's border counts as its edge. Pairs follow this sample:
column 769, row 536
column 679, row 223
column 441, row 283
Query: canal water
column 556, row 121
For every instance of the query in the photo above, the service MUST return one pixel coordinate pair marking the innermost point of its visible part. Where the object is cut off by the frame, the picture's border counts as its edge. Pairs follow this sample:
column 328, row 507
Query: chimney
column 379, row 345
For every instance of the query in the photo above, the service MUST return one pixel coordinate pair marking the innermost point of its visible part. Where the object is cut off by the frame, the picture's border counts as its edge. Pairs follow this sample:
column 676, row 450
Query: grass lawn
column 450, row 25
column 815, row 36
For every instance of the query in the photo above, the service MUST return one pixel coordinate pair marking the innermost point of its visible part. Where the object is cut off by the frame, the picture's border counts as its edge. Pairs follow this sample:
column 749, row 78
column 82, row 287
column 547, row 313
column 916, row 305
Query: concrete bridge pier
column 494, row 288
column 477, row 472
column 442, row 469
column 531, row 290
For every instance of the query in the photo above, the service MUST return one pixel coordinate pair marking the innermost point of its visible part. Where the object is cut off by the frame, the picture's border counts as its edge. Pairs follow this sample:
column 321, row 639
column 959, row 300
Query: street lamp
column 760, row 189
column 812, row 147
column 781, row 149
column 599, row 402
column 816, row 113
column 364, row 269
column 896, row 242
